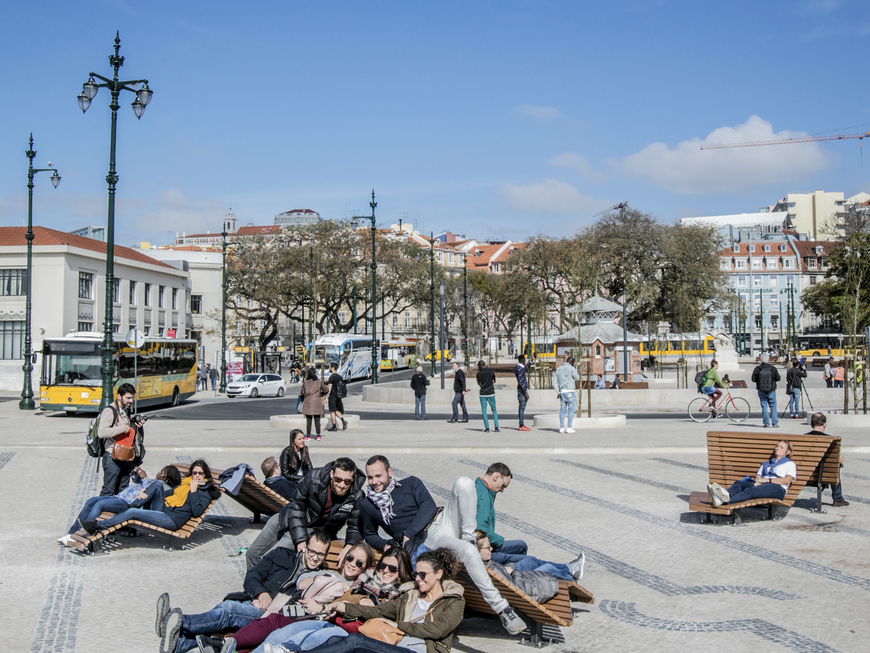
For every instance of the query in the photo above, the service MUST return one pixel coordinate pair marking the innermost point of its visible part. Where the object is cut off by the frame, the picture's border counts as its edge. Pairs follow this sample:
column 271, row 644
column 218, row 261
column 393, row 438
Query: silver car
column 256, row 385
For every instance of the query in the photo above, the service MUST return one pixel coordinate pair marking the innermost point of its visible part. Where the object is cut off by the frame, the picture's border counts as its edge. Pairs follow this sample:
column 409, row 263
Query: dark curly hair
column 442, row 559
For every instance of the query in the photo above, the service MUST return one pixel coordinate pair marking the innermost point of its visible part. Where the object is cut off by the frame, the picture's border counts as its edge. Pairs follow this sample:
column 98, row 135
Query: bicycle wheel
column 699, row 410
column 737, row 409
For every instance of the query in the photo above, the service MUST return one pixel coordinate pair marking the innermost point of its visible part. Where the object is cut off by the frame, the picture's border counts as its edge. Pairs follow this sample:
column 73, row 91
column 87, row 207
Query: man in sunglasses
column 326, row 498
column 275, row 574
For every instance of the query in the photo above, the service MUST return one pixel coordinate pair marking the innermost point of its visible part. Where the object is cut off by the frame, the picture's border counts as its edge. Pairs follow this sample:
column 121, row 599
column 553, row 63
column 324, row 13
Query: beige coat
column 312, row 391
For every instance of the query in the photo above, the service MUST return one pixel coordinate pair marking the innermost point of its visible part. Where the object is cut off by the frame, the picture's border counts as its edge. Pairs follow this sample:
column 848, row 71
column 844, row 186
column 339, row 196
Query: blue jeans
column 768, row 407
column 746, row 489
column 521, row 399
column 94, row 506
column 794, row 402
column 567, row 404
column 303, row 635
column 227, row 615
column 420, row 406
column 116, row 475
column 356, row 643
column 510, row 552
column 557, row 569
column 838, row 384
column 488, row 401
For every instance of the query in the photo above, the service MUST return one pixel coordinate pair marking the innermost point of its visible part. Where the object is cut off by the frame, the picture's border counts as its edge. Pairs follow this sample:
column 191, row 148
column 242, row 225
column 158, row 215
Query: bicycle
column 735, row 408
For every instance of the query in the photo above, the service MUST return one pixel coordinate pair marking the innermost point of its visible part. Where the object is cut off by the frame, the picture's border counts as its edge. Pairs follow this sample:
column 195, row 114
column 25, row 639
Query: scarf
column 370, row 584
column 179, row 496
column 767, row 466
column 384, row 500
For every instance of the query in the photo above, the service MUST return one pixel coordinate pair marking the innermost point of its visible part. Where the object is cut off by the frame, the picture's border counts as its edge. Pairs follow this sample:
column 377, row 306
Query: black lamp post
column 432, row 296
column 465, row 307
column 223, row 386
column 27, row 402
column 375, row 344
column 143, row 97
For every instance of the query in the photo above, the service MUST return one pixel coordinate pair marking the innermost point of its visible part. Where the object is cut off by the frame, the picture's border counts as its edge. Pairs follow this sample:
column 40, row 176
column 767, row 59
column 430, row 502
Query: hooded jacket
column 436, row 628
column 306, row 506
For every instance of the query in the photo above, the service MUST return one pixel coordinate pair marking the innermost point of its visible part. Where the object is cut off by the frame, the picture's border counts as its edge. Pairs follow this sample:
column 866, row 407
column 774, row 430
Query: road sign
column 135, row 338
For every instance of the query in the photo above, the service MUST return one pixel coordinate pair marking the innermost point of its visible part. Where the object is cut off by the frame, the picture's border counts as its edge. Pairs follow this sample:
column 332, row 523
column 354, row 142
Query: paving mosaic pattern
column 5, row 458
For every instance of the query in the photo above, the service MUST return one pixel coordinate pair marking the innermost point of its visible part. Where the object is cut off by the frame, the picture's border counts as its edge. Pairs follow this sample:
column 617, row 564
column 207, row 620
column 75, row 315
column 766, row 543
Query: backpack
column 701, row 379
column 765, row 381
column 96, row 445
column 341, row 389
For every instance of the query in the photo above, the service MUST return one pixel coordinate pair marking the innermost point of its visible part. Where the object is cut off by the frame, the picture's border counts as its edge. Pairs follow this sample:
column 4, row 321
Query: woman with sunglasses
column 357, row 560
column 188, row 500
column 392, row 577
column 427, row 615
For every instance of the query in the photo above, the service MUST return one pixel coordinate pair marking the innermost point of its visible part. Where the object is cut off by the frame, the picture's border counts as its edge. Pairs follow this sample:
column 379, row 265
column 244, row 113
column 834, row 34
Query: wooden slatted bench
column 731, row 456
column 557, row 611
column 253, row 495
column 828, row 471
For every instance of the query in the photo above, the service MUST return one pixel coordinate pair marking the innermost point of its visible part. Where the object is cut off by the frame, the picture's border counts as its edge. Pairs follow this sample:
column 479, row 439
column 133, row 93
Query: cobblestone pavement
column 662, row 580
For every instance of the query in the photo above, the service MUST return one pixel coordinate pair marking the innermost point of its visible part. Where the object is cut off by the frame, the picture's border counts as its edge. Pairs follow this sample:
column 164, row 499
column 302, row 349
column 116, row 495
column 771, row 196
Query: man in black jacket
column 765, row 378
column 419, row 382
column 275, row 574
column 459, row 391
column 819, row 423
column 327, row 498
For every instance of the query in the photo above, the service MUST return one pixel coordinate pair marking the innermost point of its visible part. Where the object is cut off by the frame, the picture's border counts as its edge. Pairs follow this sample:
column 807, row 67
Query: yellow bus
column 71, row 380
column 675, row 345
column 398, row 354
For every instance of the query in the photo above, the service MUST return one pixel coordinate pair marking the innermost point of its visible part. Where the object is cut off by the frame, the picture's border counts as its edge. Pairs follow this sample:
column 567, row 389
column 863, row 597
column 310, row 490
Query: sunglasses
column 359, row 563
column 197, row 473
column 393, row 569
column 421, row 574
column 342, row 481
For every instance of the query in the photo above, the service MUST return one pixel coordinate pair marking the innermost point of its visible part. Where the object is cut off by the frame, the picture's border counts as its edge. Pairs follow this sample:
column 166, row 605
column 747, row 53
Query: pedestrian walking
column 839, row 373
column 213, row 375
column 765, row 377
column 565, row 384
column 419, row 382
column 520, row 371
column 486, row 384
column 199, row 374
column 337, row 392
column 793, row 385
column 312, row 393
column 828, row 374
column 459, row 391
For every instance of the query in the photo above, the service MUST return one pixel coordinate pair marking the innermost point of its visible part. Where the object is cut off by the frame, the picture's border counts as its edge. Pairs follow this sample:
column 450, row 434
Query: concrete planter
column 287, row 422
column 611, row 421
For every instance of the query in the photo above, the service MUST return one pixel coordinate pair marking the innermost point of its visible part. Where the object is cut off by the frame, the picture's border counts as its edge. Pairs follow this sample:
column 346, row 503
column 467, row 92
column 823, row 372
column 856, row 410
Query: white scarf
column 384, row 499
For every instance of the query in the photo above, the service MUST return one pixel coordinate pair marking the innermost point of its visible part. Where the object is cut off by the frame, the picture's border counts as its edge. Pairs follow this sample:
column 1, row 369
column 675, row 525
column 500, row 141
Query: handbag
column 386, row 631
column 122, row 449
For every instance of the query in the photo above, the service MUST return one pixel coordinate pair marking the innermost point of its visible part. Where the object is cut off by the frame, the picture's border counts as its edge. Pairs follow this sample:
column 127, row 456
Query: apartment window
column 495, row 267
column 811, row 263
column 132, row 298
column 773, row 299
column 772, row 263
column 146, row 331
column 735, row 248
column 116, row 291
column 766, row 248
column 756, row 264
column 741, row 281
column 813, row 279
column 11, row 339
column 774, row 321
column 773, row 281
column 783, row 248
column 724, row 264
column 440, row 256
column 86, row 326
column 160, row 294
column 86, row 281
column 12, row 282
column 147, row 295
column 741, row 264
column 174, row 298
column 711, row 323
column 395, row 321
column 788, row 264
column 342, row 316
column 196, row 304
column 752, row 248
column 450, row 257
column 756, row 299
column 757, row 282
column 407, row 320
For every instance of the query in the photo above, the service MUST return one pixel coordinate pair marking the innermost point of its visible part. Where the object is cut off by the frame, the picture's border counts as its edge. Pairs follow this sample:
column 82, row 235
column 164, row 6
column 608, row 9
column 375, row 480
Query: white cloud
column 175, row 212
column 689, row 170
column 580, row 164
column 536, row 111
column 549, row 196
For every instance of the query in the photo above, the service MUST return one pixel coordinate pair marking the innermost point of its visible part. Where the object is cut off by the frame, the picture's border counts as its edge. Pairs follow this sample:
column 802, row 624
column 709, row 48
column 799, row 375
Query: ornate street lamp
column 143, row 97
column 376, row 346
column 27, row 402
column 223, row 386
column 432, row 296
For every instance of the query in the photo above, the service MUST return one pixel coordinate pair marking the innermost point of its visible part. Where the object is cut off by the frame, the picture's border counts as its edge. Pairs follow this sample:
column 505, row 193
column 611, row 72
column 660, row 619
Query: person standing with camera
column 794, row 383
column 118, row 431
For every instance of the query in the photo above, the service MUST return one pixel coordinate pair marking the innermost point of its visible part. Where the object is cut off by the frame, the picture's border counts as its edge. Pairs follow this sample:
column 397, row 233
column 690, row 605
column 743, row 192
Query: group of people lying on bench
column 168, row 501
column 290, row 602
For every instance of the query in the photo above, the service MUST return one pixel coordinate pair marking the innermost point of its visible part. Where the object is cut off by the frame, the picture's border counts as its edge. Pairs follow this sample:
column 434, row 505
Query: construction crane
column 616, row 207
column 808, row 139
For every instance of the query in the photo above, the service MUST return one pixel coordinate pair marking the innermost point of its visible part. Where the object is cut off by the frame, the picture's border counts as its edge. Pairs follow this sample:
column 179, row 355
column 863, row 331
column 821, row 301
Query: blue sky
column 496, row 119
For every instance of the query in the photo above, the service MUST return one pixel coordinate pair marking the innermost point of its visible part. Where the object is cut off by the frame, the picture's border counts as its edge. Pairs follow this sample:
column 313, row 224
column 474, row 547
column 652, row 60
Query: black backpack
column 96, row 445
column 701, row 379
column 341, row 389
column 766, row 382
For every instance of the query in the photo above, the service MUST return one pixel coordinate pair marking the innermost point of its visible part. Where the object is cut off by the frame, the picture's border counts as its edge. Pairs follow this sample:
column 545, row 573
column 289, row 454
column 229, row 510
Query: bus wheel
column 175, row 396
column 815, row 353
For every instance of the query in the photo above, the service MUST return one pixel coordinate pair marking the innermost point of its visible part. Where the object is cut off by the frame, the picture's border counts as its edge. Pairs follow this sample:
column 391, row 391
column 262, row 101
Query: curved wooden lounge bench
column 253, row 495
column 731, row 456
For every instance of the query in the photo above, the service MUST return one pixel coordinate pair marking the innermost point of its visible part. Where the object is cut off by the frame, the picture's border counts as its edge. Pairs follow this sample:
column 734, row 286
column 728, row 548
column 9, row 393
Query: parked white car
column 256, row 385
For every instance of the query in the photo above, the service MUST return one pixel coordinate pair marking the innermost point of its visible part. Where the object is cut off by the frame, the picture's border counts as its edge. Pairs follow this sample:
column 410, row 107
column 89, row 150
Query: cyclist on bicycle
column 711, row 383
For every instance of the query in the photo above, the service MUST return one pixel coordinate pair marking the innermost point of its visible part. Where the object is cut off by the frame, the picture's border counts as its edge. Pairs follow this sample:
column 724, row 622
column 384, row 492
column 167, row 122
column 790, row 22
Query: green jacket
column 713, row 379
column 436, row 628
column 486, row 512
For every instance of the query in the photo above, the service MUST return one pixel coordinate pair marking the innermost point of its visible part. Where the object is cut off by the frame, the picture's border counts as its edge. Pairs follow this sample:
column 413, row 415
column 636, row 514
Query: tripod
column 805, row 396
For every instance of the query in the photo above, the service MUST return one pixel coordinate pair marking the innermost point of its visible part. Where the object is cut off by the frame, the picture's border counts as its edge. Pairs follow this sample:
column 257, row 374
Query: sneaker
column 162, row 613
column 511, row 622
column 318, row 437
column 561, row 429
column 776, row 426
column 332, row 428
column 268, row 647
column 65, row 539
column 719, row 494
column 171, row 631
column 486, row 430
column 452, row 421
column 842, row 503
column 209, row 644
column 570, row 430
column 765, row 426
column 343, row 424
column 576, row 566
column 307, row 437
column 230, row 646
column 524, row 428
column 497, row 430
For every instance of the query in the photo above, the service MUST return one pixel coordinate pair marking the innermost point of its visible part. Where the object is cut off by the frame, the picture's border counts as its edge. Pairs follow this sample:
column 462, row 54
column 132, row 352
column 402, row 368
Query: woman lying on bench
column 771, row 481
column 140, row 493
column 188, row 500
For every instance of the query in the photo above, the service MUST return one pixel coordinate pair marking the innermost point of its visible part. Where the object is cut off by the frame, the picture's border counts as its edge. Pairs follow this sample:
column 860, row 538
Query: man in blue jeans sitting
column 275, row 573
